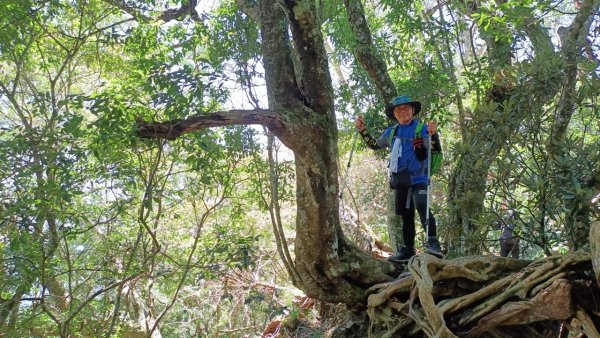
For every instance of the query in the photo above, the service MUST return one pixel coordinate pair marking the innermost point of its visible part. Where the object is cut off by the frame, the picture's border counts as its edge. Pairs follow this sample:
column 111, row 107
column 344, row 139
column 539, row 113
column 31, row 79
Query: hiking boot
column 433, row 247
column 403, row 255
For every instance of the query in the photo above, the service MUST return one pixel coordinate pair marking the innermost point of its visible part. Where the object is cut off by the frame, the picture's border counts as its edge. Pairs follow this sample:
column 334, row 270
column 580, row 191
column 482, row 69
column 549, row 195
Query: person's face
column 404, row 113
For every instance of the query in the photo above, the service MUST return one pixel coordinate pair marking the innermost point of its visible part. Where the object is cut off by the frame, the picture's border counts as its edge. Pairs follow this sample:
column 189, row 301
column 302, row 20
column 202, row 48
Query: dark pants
column 509, row 246
column 407, row 200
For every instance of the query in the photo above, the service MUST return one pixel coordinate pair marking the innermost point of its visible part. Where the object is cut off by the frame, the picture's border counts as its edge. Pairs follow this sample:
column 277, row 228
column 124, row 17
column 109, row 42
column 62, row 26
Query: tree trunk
column 330, row 267
column 595, row 249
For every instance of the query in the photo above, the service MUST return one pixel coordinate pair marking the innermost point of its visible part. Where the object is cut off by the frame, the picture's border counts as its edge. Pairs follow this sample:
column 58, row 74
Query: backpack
column 437, row 157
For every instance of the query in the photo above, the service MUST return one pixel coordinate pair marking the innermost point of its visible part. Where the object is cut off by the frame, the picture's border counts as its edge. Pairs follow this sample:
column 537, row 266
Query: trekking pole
column 348, row 165
column 428, row 187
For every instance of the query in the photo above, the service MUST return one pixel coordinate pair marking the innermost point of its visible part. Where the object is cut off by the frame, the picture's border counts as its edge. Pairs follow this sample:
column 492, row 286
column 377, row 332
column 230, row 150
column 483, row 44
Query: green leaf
column 73, row 124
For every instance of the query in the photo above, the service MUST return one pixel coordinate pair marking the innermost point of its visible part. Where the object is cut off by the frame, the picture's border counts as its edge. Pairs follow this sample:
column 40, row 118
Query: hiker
column 509, row 242
column 408, row 171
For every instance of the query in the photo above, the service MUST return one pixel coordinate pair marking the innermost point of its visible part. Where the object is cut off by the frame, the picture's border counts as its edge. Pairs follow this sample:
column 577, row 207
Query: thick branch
column 180, row 13
column 365, row 51
column 187, row 8
column 249, row 8
column 172, row 129
column 538, row 35
column 282, row 89
column 315, row 80
column 131, row 10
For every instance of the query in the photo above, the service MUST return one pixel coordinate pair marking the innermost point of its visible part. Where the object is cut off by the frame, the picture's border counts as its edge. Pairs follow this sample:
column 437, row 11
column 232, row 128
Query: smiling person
column 408, row 171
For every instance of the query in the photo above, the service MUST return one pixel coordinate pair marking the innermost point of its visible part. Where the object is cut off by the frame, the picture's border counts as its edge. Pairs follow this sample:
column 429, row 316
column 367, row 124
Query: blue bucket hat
column 400, row 100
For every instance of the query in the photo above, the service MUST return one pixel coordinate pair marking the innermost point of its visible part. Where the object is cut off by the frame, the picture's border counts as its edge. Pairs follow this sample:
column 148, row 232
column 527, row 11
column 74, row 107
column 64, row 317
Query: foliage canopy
column 102, row 230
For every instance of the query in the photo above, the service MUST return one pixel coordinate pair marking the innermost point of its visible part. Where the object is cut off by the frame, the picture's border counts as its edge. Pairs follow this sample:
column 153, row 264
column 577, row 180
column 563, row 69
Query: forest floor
column 314, row 319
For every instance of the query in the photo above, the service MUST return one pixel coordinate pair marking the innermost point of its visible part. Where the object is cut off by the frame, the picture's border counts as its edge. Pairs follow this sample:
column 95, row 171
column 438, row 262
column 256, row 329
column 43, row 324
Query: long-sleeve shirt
column 402, row 153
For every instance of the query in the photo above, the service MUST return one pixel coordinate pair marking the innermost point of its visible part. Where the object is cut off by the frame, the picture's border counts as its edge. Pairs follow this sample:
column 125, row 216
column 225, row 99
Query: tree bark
column 365, row 51
column 595, row 248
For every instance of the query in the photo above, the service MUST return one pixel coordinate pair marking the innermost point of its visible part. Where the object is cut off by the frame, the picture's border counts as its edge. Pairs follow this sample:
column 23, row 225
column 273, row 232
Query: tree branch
column 187, row 8
column 96, row 294
column 365, row 51
column 131, row 10
column 313, row 72
column 172, row 129
column 249, row 9
column 181, row 12
column 282, row 88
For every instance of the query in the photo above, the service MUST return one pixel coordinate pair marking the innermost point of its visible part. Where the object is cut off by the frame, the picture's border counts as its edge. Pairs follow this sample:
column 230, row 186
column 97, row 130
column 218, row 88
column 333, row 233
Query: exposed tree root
column 483, row 296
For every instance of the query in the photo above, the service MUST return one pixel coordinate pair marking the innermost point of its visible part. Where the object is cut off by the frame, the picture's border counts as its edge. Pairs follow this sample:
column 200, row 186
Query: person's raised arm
column 362, row 130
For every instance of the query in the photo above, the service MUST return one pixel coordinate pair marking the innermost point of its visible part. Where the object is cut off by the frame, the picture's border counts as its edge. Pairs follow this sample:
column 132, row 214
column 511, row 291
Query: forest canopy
column 191, row 168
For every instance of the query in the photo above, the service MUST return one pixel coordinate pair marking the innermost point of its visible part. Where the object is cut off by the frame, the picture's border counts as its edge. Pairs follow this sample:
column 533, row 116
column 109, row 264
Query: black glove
column 436, row 147
column 420, row 150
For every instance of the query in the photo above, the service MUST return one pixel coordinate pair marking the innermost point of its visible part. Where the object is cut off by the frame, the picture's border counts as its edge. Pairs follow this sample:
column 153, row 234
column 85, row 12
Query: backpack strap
column 392, row 134
column 418, row 132
column 395, row 130
column 419, row 129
